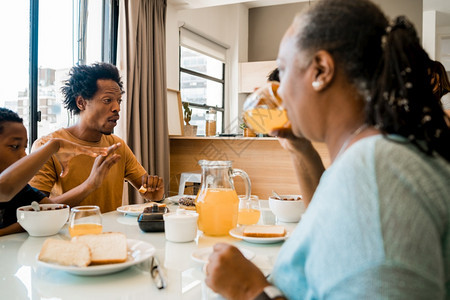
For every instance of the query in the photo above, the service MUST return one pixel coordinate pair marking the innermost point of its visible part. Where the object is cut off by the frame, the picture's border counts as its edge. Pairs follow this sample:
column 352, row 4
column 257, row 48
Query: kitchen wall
column 225, row 24
column 252, row 35
column 268, row 24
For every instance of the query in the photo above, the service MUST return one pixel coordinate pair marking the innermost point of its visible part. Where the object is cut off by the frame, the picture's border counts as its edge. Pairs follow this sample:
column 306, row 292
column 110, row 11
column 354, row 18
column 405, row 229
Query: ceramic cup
column 180, row 226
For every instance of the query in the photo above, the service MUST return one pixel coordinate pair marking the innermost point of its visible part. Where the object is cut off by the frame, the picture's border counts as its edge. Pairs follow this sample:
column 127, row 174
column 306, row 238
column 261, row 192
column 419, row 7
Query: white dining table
column 21, row 277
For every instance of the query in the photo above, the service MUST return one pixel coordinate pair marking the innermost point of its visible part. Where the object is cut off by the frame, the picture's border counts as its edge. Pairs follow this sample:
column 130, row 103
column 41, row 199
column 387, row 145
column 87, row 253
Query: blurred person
column 16, row 169
column 274, row 75
column 377, row 225
column 94, row 92
column 441, row 84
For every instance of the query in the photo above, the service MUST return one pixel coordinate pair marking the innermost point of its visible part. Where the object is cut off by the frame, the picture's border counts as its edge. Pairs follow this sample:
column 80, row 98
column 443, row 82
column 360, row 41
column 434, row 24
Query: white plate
column 138, row 251
column 134, row 209
column 201, row 255
column 238, row 233
column 174, row 199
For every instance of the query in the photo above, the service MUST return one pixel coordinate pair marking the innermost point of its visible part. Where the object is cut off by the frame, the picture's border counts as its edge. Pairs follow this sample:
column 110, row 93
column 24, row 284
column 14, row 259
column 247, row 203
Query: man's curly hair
column 83, row 82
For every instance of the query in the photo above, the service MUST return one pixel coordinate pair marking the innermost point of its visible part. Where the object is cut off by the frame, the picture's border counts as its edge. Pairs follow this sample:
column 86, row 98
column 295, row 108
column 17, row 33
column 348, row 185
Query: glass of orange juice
column 249, row 211
column 85, row 220
column 263, row 110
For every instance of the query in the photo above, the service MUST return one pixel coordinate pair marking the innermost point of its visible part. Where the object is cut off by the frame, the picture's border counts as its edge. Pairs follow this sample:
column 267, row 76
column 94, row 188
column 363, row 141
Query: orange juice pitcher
column 217, row 202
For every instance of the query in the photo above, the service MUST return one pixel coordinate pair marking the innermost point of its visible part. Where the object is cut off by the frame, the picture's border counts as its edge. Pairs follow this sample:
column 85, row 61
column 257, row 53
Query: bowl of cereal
column 287, row 208
column 47, row 221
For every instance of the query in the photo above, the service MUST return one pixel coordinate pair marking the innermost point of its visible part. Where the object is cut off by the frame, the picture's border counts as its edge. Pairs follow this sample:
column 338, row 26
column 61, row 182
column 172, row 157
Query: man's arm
column 100, row 169
column 150, row 187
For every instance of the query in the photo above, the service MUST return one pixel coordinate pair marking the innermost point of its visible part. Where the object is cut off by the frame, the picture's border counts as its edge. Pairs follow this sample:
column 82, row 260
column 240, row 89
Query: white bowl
column 48, row 221
column 287, row 210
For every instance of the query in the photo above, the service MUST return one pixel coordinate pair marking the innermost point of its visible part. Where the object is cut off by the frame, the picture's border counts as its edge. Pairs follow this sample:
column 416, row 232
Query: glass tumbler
column 249, row 211
column 263, row 110
column 85, row 220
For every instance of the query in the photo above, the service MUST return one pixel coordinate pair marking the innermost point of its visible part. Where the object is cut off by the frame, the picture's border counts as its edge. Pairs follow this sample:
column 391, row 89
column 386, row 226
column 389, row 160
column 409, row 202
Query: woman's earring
column 317, row 84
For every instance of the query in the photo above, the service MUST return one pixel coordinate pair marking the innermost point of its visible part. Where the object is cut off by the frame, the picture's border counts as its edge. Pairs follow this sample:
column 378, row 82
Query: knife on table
column 157, row 274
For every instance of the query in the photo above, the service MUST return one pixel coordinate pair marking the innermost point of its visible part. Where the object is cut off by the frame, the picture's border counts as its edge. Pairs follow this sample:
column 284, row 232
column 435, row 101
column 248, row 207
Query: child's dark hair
column 7, row 115
column 387, row 65
column 83, row 82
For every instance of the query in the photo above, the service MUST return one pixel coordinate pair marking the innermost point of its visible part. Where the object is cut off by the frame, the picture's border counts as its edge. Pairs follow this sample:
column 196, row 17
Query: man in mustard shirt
column 94, row 93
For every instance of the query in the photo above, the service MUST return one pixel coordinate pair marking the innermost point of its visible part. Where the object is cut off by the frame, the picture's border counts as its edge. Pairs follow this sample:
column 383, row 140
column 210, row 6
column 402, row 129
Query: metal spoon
column 35, row 206
column 276, row 195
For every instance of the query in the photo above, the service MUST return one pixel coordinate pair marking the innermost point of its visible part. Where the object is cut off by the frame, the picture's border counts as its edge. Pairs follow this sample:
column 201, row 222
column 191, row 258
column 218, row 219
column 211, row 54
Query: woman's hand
column 230, row 274
column 152, row 187
column 289, row 141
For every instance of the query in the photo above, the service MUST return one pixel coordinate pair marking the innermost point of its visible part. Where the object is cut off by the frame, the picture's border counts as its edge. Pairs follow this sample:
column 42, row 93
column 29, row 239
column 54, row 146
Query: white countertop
column 22, row 278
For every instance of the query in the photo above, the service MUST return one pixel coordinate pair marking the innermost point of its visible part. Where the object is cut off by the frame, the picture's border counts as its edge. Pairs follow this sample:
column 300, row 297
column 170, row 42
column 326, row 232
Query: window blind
column 200, row 43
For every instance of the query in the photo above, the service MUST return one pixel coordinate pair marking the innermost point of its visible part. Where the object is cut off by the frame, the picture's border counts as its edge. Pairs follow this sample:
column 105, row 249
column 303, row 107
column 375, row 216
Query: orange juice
column 218, row 211
column 264, row 120
column 81, row 229
column 248, row 216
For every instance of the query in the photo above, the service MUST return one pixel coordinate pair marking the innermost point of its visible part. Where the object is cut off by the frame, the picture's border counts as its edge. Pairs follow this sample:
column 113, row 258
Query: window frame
column 207, row 77
column 110, row 18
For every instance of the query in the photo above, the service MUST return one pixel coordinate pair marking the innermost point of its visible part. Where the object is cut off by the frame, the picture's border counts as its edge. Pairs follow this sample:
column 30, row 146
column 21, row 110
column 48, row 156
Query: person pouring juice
column 217, row 202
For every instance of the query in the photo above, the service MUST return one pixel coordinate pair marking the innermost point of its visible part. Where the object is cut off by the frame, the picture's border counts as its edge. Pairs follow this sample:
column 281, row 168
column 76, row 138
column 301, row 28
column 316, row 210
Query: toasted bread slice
column 65, row 253
column 106, row 248
column 264, row 231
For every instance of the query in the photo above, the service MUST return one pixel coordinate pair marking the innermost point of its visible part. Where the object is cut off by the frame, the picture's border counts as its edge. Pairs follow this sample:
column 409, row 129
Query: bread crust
column 265, row 231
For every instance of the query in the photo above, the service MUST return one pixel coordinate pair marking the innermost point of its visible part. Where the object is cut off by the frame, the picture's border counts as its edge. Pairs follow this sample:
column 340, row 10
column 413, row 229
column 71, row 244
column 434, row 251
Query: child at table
column 16, row 169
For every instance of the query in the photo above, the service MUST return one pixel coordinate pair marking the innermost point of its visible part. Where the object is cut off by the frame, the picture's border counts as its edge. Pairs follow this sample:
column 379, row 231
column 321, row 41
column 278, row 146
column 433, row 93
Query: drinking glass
column 85, row 220
column 249, row 211
column 263, row 110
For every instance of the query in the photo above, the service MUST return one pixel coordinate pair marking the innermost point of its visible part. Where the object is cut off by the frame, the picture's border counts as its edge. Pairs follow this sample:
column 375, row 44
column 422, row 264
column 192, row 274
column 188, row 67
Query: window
column 202, row 77
column 37, row 61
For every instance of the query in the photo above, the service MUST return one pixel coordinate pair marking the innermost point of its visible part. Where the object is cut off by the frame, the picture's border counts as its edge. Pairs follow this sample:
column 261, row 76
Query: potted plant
column 247, row 131
column 189, row 130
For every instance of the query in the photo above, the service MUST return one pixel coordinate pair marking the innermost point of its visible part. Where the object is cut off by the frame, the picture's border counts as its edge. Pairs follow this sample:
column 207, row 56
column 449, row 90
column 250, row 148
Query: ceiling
column 442, row 6
column 190, row 4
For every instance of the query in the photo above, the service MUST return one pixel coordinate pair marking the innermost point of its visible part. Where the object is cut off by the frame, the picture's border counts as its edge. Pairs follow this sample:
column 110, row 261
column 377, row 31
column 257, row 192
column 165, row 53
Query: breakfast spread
column 85, row 250
column 289, row 198
column 106, row 248
column 264, row 231
column 140, row 207
column 44, row 208
column 187, row 203
column 142, row 189
column 65, row 253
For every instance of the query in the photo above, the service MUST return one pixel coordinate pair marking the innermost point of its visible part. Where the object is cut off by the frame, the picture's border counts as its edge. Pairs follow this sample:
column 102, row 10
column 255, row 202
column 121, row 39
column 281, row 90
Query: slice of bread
column 106, row 248
column 264, row 231
column 65, row 253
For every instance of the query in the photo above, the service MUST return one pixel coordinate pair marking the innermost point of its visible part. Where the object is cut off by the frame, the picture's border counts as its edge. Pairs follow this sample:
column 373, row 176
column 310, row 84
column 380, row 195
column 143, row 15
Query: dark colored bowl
column 151, row 220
